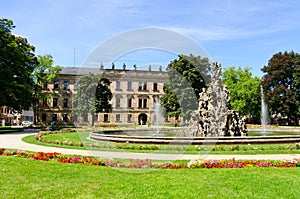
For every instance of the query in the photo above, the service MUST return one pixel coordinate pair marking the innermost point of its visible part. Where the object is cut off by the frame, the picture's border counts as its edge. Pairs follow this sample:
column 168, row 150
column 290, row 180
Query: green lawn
column 74, row 139
column 24, row 178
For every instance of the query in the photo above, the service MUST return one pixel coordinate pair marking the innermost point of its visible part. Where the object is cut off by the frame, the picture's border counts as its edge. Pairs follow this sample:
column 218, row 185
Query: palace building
column 134, row 93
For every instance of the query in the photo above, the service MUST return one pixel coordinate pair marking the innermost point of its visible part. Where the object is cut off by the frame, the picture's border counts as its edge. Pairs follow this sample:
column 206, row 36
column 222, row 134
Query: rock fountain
column 214, row 117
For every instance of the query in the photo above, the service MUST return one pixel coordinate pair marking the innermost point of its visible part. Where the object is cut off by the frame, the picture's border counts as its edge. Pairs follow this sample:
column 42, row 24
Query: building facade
column 134, row 94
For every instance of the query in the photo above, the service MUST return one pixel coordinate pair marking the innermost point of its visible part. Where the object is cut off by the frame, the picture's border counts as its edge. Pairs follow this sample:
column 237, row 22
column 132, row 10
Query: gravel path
column 14, row 141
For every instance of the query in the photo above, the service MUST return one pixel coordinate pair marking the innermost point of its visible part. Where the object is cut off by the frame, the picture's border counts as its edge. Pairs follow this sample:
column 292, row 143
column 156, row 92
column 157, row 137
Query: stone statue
column 124, row 66
column 113, row 66
column 160, row 68
column 214, row 117
column 134, row 66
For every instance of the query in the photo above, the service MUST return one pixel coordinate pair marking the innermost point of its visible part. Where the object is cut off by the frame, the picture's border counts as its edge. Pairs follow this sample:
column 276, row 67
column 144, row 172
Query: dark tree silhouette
column 281, row 85
column 17, row 62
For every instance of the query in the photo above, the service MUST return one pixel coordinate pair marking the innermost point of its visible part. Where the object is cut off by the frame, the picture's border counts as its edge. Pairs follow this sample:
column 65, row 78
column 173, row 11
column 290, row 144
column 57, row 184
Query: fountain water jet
column 158, row 116
column 264, row 111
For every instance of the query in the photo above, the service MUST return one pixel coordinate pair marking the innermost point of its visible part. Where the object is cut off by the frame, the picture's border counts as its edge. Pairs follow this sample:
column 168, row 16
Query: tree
column 187, row 76
column 43, row 74
column 244, row 90
column 17, row 62
column 103, row 96
column 92, row 97
column 296, row 84
column 281, row 84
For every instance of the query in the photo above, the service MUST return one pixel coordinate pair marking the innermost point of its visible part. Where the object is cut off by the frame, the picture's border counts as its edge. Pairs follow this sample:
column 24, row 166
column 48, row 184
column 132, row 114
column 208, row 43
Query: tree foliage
column 281, row 84
column 244, row 90
column 93, row 96
column 103, row 96
column 187, row 75
column 43, row 74
column 17, row 62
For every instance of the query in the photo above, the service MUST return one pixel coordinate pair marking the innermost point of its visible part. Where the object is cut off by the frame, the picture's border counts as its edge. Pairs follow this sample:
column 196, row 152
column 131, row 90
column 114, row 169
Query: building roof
column 78, row 71
column 83, row 71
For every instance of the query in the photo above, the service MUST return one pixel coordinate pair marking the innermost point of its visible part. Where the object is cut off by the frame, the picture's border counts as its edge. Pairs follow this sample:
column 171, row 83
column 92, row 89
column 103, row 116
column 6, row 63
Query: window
column 66, row 85
column 105, row 118
column 118, row 85
column 118, row 102
column 142, row 103
column 65, row 102
column 129, row 103
column 155, row 87
column 65, row 117
column 142, row 86
column 55, row 102
column 129, row 118
column 129, row 85
column 118, row 118
column 54, row 117
column 56, row 84
column 44, row 117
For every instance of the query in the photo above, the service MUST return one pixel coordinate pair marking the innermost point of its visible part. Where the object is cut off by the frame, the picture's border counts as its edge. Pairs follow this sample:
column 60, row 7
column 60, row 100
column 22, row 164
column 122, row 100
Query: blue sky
column 233, row 32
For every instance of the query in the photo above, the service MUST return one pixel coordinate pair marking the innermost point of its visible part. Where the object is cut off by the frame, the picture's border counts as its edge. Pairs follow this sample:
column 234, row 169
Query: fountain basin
column 111, row 136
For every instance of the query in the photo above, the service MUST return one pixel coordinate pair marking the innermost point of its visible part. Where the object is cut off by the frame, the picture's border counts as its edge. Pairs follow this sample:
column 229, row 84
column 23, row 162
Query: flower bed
column 137, row 163
column 232, row 163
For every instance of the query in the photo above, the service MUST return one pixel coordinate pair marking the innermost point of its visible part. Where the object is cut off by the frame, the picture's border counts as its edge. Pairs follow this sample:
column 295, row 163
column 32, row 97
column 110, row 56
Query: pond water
column 155, row 133
column 184, row 133
column 272, row 133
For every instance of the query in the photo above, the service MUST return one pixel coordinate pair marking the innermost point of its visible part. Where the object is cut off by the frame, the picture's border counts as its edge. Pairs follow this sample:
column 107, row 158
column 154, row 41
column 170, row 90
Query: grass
column 74, row 139
column 24, row 178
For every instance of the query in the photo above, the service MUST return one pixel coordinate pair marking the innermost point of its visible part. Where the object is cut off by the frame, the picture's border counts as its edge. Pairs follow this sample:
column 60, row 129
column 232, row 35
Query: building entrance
column 142, row 119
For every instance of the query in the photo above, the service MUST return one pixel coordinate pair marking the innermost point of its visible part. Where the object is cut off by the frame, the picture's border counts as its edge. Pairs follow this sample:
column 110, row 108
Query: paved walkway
column 14, row 141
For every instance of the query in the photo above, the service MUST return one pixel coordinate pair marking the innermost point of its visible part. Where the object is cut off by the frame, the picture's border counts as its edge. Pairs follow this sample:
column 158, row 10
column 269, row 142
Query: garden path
column 14, row 141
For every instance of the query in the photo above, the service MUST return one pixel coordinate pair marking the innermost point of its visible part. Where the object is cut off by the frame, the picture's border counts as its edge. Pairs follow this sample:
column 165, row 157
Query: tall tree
column 17, row 62
column 244, row 90
column 281, row 84
column 92, row 97
column 103, row 96
column 296, row 83
column 187, row 75
column 43, row 74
